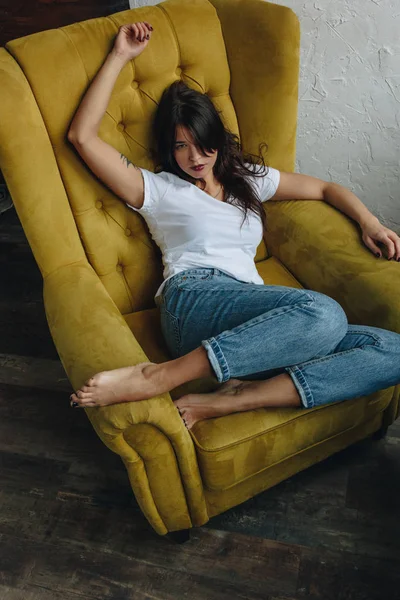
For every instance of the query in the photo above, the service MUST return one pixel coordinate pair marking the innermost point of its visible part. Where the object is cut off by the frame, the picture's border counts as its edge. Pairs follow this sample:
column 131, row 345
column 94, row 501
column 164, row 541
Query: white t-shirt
column 195, row 230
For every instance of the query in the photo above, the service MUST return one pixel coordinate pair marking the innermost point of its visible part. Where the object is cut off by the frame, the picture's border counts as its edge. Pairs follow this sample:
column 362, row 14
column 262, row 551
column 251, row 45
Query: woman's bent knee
column 331, row 323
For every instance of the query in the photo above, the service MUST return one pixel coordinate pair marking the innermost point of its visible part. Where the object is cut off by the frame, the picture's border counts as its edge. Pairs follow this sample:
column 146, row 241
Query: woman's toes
column 185, row 417
column 90, row 382
column 87, row 403
column 82, row 396
column 74, row 400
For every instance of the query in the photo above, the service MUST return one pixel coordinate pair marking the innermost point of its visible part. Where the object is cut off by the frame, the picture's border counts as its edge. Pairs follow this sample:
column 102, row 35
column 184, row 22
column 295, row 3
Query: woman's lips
column 198, row 168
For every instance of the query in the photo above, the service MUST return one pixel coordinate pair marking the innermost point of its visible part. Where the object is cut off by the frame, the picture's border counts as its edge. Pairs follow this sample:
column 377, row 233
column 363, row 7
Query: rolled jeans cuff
column 302, row 386
column 217, row 359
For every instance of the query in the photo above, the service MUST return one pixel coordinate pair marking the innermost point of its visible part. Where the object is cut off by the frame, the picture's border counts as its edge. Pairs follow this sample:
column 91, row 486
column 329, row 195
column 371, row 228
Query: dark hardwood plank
column 216, row 566
column 39, row 593
column 328, row 575
column 19, row 273
column 24, row 330
column 28, row 371
column 23, row 324
column 11, row 231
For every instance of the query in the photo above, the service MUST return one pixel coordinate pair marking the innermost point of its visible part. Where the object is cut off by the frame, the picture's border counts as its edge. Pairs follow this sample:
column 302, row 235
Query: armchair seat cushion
column 236, row 447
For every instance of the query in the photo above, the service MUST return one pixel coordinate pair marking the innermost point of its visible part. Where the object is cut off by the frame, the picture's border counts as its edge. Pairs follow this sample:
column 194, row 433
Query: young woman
column 269, row 345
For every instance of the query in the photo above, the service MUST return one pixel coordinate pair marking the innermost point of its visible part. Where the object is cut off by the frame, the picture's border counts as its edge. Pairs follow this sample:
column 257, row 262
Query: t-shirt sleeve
column 267, row 184
column 155, row 187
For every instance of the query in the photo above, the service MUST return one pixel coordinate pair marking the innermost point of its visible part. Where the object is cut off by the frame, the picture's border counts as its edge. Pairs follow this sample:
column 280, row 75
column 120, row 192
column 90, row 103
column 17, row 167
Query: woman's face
column 188, row 155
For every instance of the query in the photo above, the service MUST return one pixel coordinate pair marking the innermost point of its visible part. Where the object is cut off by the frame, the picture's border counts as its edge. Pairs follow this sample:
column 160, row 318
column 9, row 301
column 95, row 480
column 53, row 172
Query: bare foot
column 196, row 407
column 120, row 385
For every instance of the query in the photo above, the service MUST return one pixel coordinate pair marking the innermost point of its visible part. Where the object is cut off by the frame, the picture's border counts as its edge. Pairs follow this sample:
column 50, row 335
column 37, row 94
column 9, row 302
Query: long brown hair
column 182, row 105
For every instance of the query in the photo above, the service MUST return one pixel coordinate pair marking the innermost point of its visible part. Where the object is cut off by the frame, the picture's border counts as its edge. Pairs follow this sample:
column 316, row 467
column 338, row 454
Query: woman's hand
column 374, row 232
column 132, row 39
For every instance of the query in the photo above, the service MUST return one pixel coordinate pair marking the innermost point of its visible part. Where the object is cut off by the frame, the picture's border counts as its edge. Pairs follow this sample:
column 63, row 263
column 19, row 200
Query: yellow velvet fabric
column 324, row 251
column 101, row 268
column 221, row 500
column 266, row 438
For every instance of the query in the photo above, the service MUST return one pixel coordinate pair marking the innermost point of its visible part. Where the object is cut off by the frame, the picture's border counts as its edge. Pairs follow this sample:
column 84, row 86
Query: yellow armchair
column 101, row 268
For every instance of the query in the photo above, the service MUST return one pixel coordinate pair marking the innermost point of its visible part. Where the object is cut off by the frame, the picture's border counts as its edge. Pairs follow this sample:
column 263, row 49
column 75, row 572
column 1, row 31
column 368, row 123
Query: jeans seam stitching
column 378, row 340
column 225, row 368
column 298, row 374
column 322, row 359
column 176, row 329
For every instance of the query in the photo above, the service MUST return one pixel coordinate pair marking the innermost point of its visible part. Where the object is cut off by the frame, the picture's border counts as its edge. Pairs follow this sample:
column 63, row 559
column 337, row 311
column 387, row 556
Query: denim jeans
column 252, row 331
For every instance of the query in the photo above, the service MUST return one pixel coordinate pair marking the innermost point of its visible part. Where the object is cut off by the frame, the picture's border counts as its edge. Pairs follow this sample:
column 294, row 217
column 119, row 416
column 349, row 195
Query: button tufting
column 128, row 232
column 179, row 70
column 119, row 268
column 135, row 85
column 121, row 127
column 99, row 204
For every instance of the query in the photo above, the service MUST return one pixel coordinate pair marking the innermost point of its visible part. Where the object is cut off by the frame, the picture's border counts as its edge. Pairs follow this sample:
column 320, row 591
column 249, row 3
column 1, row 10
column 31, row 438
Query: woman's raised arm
column 129, row 43
column 113, row 168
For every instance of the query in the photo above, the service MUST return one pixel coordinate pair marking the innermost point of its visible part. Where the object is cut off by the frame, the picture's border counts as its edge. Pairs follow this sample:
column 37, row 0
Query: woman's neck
column 212, row 186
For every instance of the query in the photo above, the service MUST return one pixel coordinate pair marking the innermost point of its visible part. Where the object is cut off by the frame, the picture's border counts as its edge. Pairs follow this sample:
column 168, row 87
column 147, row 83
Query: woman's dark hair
column 182, row 105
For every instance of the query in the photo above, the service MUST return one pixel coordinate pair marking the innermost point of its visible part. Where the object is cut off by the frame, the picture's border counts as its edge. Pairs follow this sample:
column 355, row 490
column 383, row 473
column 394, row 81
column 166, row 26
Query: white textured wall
column 349, row 98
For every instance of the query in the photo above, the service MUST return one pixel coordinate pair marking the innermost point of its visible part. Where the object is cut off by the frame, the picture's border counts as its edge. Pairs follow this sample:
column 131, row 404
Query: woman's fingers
column 369, row 242
column 147, row 28
column 387, row 242
column 391, row 242
column 396, row 241
column 144, row 32
column 391, row 249
column 140, row 31
column 135, row 30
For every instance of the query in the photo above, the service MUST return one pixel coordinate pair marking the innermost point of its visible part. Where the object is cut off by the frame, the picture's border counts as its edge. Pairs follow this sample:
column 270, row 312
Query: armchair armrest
column 324, row 250
column 91, row 335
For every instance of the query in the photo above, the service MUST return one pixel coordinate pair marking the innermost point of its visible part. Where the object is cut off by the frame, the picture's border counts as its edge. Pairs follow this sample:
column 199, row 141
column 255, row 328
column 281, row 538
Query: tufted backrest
column 59, row 65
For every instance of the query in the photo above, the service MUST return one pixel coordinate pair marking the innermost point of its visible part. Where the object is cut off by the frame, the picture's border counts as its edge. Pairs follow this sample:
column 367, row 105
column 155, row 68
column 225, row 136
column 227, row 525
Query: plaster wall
column 349, row 98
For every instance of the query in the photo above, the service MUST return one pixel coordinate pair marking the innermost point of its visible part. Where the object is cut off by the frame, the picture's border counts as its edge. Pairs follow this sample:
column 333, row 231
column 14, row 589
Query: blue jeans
column 252, row 331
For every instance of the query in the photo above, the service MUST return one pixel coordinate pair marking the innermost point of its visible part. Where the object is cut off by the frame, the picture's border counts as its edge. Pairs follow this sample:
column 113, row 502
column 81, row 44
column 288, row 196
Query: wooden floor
column 70, row 527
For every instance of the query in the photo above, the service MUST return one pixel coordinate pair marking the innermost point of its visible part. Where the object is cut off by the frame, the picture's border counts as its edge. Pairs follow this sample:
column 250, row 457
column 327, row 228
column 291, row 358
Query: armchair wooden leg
column 179, row 537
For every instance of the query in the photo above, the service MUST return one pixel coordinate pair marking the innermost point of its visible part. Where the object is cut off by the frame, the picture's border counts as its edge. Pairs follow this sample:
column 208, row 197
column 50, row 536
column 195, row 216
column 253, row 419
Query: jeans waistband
column 192, row 272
